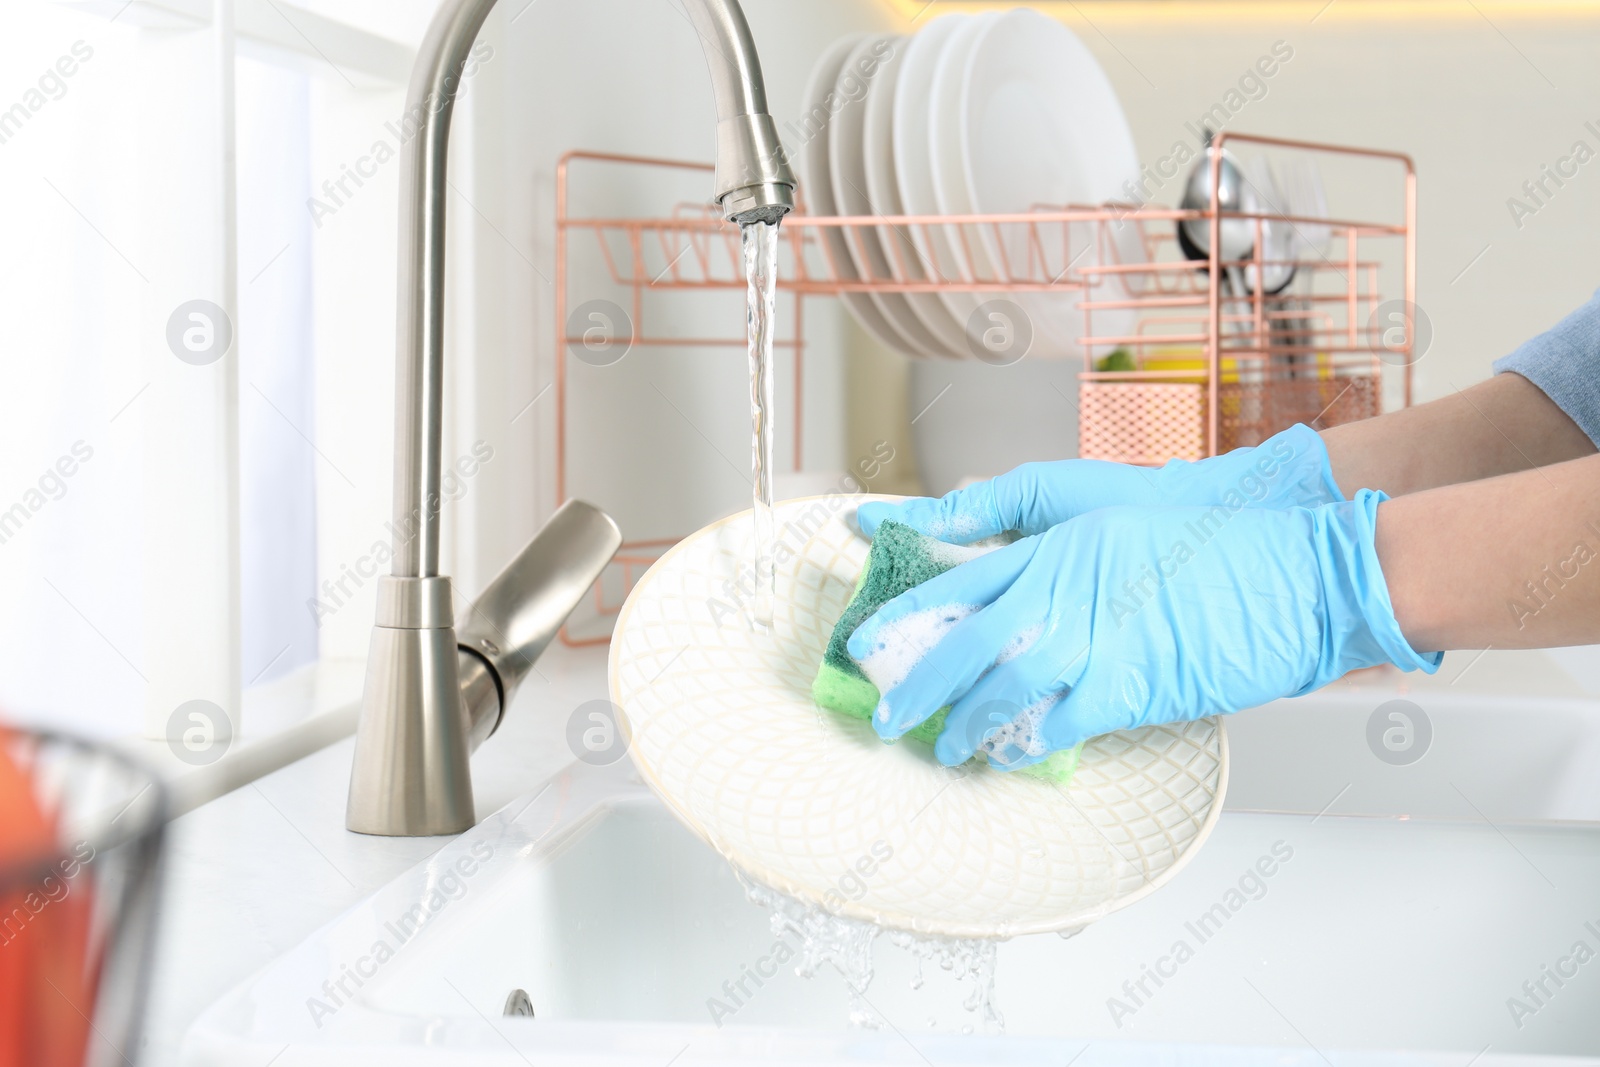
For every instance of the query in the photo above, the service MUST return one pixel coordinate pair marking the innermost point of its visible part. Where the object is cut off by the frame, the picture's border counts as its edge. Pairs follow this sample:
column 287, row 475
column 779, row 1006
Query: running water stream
column 760, row 245
column 823, row 937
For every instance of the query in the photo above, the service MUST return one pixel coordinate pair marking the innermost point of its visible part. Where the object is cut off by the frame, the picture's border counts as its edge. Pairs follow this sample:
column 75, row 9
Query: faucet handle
column 434, row 693
column 521, row 610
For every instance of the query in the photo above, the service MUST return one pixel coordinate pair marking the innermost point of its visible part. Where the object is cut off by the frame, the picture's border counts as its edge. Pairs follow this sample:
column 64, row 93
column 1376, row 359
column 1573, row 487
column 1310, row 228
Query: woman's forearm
column 1496, row 427
column 1507, row 562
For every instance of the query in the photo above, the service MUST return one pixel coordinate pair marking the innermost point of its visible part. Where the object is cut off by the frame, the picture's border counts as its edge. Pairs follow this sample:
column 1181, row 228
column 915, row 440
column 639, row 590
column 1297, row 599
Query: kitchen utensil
column 1237, row 235
column 1306, row 199
column 1277, row 234
column 1233, row 196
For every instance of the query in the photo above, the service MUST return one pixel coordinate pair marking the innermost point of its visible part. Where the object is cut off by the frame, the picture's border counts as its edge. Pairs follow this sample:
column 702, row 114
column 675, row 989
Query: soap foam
column 904, row 642
column 960, row 525
column 1020, row 644
column 1023, row 736
column 901, row 645
column 948, row 555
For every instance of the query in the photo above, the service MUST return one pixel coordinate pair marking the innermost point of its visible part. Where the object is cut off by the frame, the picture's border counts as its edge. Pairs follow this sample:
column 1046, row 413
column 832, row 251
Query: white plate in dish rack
column 1038, row 122
column 724, row 730
column 847, row 165
column 913, row 169
column 945, row 94
column 883, row 192
column 816, row 186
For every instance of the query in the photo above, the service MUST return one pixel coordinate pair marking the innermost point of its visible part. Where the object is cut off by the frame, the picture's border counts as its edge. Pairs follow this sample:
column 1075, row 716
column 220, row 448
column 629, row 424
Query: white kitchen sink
column 1393, row 928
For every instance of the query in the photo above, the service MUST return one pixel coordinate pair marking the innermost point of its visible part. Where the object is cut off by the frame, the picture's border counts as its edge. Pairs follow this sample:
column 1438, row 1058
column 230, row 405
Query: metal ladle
column 1234, row 196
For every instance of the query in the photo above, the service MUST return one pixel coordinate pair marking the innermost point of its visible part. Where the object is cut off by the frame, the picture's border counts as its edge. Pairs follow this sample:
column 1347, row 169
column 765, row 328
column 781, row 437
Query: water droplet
column 846, row 944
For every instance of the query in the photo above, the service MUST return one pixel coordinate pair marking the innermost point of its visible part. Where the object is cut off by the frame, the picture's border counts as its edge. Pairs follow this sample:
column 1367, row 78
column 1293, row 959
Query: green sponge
column 900, row 559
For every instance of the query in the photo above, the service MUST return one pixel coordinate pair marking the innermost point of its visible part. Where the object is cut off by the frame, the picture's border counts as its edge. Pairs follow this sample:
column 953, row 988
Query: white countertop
column 254, row 872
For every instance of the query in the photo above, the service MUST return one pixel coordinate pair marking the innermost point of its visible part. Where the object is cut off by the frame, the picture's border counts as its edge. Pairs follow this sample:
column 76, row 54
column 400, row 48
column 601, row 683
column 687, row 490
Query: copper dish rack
column 1214, row 369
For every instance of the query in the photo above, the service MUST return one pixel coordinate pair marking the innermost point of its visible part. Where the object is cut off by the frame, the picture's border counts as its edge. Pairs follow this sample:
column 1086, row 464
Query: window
column 129, row 437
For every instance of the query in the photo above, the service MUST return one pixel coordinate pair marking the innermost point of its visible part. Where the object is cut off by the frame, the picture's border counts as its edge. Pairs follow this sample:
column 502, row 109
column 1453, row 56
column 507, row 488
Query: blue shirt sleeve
column 1564, row 361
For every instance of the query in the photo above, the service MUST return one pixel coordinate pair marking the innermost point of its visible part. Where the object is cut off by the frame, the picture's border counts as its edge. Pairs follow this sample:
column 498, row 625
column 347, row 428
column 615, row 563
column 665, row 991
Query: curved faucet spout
column 417, row 727
column 753, row 182
column 753, row 179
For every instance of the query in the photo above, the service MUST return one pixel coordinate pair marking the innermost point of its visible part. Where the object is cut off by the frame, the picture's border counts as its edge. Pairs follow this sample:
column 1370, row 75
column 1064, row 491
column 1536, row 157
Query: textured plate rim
column 851, row 910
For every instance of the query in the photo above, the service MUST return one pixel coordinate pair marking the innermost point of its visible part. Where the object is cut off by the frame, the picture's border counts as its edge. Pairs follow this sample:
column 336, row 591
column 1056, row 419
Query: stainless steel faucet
column 433, row 694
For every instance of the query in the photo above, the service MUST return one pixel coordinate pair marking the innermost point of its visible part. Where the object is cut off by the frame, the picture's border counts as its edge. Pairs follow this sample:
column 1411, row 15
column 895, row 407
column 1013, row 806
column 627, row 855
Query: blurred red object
column 49, row 960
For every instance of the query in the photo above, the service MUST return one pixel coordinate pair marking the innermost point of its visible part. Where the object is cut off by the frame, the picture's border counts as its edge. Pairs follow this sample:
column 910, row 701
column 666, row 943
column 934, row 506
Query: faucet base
column 411, row 777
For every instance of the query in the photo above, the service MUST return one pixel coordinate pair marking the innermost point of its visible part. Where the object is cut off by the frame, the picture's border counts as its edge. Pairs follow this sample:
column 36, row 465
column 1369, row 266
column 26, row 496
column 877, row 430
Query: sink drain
column 519, row 1003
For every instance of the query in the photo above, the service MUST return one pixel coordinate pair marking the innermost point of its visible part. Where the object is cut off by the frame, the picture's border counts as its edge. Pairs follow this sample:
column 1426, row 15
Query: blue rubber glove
column 1130, row 617
column 1289, row 469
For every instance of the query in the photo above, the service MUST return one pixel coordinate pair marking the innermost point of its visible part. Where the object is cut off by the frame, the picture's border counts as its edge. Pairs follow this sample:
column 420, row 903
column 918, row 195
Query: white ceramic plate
column 724, row 730
column 905, row 262
column 913, row 167
column 1039, row 123
column 847, row 149
column 817, row 189
column 948, row 170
